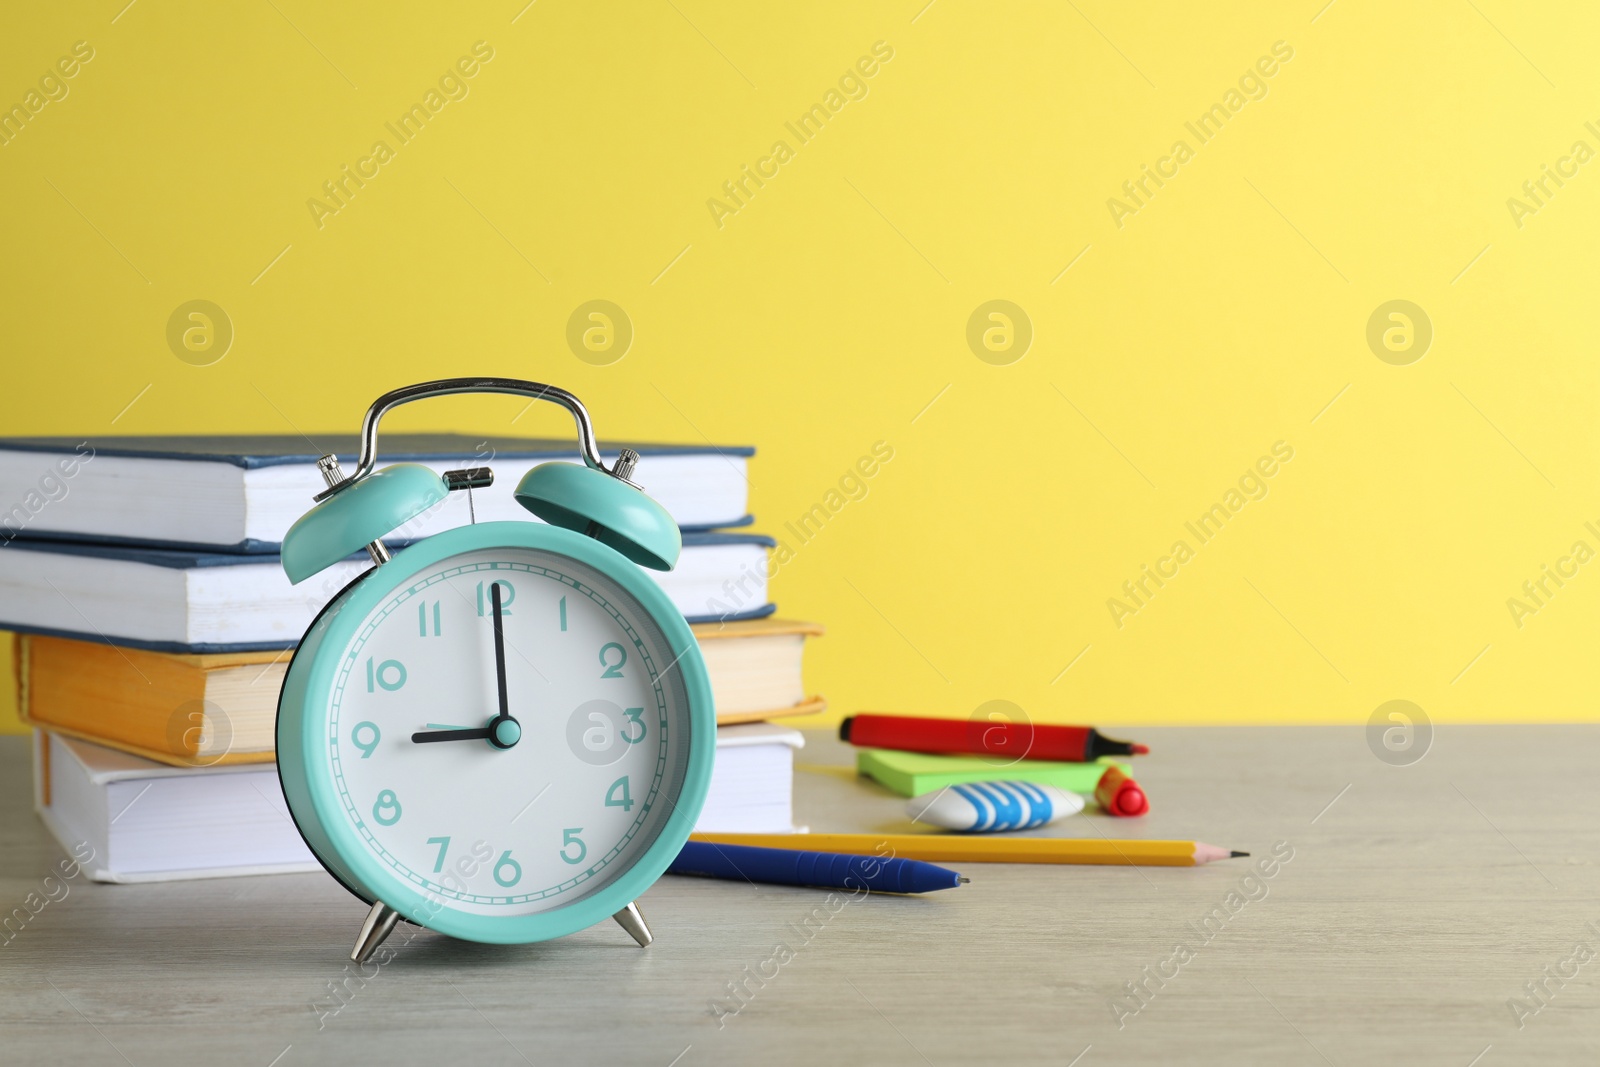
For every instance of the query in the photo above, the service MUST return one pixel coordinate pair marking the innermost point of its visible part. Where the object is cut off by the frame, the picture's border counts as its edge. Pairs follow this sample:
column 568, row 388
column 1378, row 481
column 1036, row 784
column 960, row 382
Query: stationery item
column 755, row 668
column 1014, row 740
column 199, row 710
column 985, row 807
column 241, row 493
column 152, row 823
column 183, row 710
column 913, row 773
column 982, row 848
column 782, row 866
column 181, row 601
column 1117, row 794
column 752, row 780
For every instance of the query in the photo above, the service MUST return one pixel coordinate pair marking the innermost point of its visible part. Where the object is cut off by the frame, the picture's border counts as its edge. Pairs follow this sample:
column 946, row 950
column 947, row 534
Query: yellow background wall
column 830, row 312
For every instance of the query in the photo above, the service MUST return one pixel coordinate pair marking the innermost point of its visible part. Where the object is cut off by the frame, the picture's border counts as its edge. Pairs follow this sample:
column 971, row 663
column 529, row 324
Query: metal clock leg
column 631, row 920
column 379, row 922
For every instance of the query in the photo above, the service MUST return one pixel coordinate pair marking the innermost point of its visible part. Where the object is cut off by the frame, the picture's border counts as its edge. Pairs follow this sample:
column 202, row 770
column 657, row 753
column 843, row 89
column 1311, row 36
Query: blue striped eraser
column 982, row 807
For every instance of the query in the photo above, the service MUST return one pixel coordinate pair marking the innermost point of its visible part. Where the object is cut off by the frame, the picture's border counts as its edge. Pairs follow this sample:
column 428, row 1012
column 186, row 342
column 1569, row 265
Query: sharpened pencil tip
column 1235, row 854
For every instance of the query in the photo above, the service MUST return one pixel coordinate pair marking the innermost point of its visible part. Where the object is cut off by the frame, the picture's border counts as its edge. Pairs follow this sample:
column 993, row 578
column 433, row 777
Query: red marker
column 1117, row 794
column 1015, row 740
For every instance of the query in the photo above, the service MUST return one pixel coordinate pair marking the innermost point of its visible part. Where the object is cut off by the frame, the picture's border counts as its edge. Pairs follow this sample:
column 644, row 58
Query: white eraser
column 985, row 806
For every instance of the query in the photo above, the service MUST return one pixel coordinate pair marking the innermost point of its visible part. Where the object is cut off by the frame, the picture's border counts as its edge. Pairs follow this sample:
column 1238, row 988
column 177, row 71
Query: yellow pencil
column 965, row 848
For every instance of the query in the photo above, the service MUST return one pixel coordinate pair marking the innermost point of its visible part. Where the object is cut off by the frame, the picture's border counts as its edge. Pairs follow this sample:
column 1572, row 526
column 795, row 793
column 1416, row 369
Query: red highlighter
column 1117, row 794
column 1017, row 740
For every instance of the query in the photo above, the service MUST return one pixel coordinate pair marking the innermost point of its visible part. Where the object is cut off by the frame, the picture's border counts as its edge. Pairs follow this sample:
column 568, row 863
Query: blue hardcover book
column 242, row 493
column 175, row 600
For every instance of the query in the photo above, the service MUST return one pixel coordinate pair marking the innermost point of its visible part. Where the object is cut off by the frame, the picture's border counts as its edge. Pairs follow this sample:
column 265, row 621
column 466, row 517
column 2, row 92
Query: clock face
column 591, row 756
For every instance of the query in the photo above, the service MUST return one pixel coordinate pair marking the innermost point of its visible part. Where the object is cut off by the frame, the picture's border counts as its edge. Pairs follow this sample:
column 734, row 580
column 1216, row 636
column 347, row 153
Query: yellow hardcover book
column 186, row 710
column 754, row 667
column 201, row 710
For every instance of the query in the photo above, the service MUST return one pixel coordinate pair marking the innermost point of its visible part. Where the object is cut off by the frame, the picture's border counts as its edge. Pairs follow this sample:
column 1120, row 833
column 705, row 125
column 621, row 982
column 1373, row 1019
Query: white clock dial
column 599, row 751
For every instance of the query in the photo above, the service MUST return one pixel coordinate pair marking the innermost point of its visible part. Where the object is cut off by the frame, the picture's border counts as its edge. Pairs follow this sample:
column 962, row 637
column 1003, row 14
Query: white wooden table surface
column 1419, row 901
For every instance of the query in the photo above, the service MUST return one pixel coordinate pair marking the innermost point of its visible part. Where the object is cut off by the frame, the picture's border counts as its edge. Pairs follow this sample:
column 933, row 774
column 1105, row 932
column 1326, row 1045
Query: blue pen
column 830, row 870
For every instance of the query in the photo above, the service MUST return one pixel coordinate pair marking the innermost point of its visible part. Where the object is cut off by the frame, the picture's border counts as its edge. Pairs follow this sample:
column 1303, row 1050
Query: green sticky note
column 913, row 773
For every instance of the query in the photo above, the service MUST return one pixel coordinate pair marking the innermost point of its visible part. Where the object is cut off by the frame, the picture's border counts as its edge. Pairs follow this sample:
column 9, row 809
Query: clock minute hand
column 504, row 730
column 499, row 653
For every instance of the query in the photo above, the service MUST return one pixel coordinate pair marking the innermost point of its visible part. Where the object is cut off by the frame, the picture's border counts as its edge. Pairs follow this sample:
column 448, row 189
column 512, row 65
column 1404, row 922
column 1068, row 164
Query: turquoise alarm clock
column 503, row 732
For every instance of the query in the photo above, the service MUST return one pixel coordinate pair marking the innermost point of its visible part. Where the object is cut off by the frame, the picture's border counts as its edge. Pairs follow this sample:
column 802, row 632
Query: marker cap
column 1117, row 794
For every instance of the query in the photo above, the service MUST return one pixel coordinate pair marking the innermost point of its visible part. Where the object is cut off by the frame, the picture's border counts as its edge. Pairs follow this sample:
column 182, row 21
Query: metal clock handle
column 587, row 446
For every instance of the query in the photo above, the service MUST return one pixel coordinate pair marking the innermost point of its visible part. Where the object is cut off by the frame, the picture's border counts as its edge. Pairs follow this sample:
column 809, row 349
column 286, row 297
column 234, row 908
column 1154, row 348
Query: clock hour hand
column 501, row 733
column 481, row 733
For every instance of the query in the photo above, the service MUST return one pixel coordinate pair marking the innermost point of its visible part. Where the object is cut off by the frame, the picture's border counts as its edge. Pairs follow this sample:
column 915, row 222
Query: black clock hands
column 503, row 730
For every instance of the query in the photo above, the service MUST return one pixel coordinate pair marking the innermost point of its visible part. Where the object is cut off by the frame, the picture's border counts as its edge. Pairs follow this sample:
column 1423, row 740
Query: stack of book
column 155, row 625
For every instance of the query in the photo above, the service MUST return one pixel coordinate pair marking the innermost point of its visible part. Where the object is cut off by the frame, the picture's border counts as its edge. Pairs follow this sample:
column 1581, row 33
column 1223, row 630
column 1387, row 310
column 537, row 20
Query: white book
column 752, row 780
column 242, row 493
column 148, row 822
column 178, row 600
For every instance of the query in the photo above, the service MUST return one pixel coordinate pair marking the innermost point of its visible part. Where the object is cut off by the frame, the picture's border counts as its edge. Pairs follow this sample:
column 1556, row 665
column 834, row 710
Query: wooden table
column 1419, row 900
